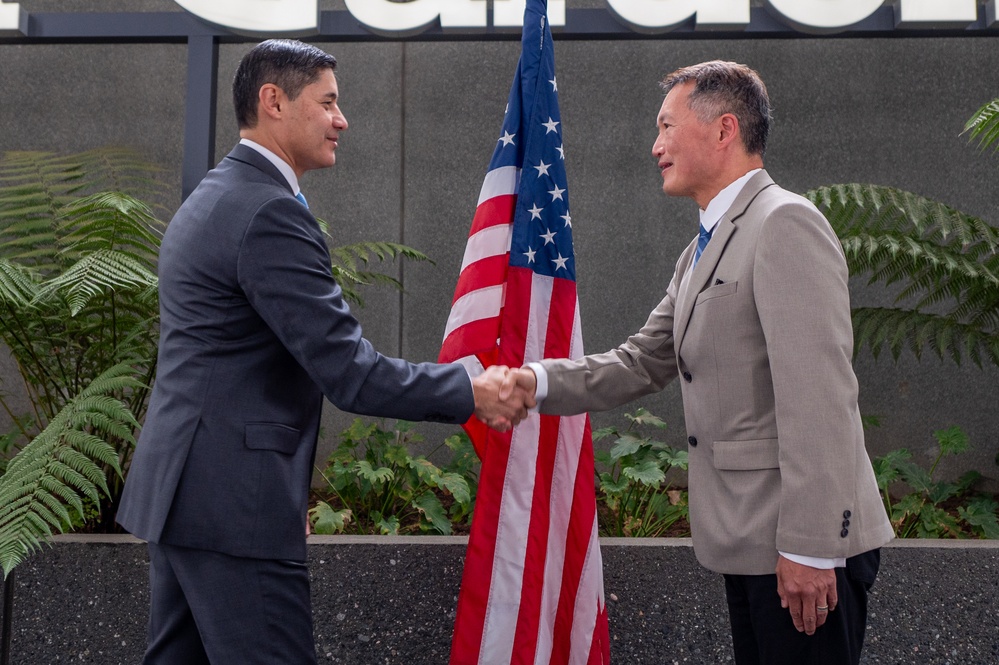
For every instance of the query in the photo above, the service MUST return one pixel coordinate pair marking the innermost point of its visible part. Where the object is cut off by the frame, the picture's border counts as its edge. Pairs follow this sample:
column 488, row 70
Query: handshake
column 503, row 396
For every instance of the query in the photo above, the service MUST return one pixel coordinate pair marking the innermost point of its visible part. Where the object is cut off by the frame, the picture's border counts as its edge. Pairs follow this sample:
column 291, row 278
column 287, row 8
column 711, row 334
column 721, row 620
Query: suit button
column 692, row 440
column 847, row 514
column 687, row 377
column 844, row 533
column 846, row 523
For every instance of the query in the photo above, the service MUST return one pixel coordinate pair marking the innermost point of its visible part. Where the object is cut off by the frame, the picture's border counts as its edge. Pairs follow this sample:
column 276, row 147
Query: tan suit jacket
column 760, row 333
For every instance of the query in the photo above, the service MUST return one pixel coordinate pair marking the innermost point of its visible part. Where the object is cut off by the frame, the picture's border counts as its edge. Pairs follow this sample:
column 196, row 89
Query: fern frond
column 901, row 329
column 61, row 465
column 861, row 208
column 984, row 125
column 95, row 273
column 111, row 221
column 347, row 259
column 17, row 284
column 944, row 259
column 36, row 187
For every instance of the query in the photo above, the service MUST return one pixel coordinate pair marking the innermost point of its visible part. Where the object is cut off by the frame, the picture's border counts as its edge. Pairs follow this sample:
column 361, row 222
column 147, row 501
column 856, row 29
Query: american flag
column 532, row 589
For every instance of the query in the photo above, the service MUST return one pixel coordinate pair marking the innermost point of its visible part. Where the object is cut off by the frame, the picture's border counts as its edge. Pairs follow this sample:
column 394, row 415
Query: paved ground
column 394, row 603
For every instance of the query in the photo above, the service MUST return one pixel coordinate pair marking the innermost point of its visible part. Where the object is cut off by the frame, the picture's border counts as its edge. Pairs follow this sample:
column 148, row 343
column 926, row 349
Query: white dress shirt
column 279, row 163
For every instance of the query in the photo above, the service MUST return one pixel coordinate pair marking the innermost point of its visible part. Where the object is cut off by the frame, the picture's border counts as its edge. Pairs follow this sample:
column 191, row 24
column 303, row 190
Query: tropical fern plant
column 350, row 264
column 45, row 483
column 984, row 125
column 943, row 262
column 77, row 287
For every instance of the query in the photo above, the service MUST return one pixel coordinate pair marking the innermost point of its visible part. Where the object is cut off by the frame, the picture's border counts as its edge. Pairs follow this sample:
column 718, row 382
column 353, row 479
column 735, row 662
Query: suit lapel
column 694, row 281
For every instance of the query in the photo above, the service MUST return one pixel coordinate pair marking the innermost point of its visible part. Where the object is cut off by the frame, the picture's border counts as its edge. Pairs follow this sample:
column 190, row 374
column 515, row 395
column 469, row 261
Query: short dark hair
column 728, row 87
column 287, row 63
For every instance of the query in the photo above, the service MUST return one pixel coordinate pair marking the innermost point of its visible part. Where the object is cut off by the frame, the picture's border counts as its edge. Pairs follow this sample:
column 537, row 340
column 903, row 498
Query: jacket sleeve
column 642, row 365
column 284, row 270
column 802, row 296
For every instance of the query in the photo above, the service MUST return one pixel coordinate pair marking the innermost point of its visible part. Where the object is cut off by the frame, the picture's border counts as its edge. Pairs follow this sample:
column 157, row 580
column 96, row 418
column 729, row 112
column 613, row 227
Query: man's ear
column 728, row 129
column 270, row 99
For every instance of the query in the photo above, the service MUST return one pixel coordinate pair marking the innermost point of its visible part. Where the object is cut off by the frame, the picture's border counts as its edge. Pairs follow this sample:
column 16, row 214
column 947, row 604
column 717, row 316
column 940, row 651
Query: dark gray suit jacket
column 253, row 333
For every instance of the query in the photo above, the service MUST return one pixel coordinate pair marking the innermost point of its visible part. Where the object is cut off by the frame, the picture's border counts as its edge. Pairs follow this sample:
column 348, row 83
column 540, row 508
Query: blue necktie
column 702, row 241
column 301, row 197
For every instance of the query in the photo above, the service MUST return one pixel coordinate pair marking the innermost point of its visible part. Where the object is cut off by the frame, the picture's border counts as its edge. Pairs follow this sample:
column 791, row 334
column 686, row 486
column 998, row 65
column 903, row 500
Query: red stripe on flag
column 584, row 509
column 525, row 641
column 493, row 212
column 561, row 318
column 516, row 315
column 490, row 271
column 472, row 338
column 477, row 576
column 599, row 644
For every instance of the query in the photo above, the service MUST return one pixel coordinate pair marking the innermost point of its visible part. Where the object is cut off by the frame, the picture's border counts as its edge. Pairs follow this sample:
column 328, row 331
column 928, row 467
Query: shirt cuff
column 815, row 561
column 541, row 390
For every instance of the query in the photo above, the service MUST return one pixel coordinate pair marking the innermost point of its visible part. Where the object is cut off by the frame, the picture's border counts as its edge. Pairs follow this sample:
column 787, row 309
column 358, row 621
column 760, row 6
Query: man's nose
column 657, row 148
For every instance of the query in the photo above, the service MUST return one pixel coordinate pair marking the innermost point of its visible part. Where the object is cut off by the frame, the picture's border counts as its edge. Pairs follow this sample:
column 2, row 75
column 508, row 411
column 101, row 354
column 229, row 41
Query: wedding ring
column 821, row 609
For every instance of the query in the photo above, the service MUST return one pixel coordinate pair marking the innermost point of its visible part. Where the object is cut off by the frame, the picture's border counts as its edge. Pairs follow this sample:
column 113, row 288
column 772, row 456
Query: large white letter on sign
column 663, row 15
column 510, row 13
column 10, row 18
column 258, row 16
column 824, row 15
column 935, row 13
column 394, row 18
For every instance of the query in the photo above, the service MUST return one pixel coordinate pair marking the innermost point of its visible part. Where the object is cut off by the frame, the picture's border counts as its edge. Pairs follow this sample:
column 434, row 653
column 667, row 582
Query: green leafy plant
column 984, row 125
column 943, row 261
column 935, row 508
column 43, row 486
column 77, row 289
column 374, row 484
column 349, row 263
column 637, row 500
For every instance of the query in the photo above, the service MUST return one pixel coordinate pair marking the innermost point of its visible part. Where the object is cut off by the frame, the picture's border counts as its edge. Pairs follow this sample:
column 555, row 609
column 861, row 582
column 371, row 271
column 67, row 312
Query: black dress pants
column 208, row 608
column 762, row 630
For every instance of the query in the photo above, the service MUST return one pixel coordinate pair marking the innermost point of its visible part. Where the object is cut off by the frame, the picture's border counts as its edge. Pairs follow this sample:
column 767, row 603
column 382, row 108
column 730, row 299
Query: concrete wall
column 423, row 121
column 392, row 601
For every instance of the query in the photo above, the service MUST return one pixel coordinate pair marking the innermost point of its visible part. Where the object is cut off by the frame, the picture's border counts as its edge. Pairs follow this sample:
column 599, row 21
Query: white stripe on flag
column 503, row 606
column 480, row 304
column 588, row 598
column 498, row 182
column 537, row 322
column 490, row 241
column 570, row 436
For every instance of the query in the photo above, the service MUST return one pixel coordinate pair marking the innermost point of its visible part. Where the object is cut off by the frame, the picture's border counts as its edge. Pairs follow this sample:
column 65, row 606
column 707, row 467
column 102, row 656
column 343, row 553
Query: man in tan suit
column 756, row 323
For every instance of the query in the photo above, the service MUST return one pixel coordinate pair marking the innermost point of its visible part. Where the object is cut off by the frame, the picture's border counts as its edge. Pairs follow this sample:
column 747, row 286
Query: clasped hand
column 503, row 396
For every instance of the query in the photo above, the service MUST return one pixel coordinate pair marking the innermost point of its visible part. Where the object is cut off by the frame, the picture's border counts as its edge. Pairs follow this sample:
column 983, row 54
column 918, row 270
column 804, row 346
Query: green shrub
column 935, row 508
column 637, row 500
column 374, row 484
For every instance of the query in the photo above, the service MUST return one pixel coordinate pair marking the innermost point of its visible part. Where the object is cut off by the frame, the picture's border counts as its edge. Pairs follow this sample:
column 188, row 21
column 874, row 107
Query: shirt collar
column 278, row 163
column 723, row 200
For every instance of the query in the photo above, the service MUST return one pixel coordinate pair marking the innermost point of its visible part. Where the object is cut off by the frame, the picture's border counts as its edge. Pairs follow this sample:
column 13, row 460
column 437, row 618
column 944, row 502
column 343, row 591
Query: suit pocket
column 272, row 436
column 719, row 291
column 749, row 455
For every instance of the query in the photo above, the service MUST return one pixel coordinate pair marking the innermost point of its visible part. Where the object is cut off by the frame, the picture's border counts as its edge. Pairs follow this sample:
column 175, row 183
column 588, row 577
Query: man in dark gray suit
column 253, row 333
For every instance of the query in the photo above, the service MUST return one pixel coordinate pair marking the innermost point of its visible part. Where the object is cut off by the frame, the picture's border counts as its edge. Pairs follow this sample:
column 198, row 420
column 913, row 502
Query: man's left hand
column 808, row 593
